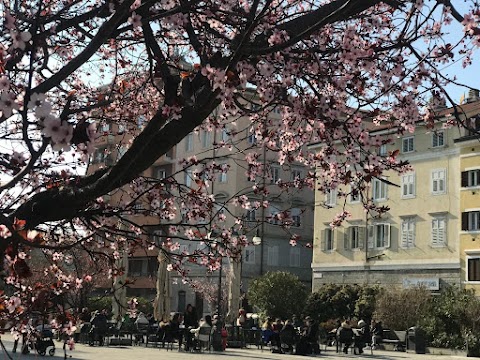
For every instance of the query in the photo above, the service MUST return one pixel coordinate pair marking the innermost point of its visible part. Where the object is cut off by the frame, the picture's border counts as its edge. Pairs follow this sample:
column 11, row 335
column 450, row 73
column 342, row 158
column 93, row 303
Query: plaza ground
column 84, row 352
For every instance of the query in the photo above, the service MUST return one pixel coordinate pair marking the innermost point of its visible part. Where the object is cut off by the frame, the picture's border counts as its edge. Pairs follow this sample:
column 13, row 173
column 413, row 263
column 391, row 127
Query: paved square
column 85, row 352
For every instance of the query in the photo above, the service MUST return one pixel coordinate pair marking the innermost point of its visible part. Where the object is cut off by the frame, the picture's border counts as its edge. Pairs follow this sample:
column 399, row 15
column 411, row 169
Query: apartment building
column 429, row 235
column 273, row 253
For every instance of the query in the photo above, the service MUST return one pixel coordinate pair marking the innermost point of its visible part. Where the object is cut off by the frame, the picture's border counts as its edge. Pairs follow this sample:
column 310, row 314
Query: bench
column 396, row 338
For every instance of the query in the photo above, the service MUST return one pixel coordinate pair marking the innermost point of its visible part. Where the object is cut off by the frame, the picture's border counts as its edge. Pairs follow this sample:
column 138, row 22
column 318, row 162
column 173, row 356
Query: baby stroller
column 44, row 342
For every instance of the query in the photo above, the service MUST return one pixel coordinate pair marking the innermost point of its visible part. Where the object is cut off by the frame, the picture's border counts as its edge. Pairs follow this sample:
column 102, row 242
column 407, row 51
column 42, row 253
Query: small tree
column 401, row 309
column 278, row 294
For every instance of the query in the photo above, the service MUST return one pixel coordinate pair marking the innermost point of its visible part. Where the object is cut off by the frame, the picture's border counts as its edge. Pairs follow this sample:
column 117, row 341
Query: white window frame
column 438, row 138
column 408, row 186
column 353, row 237
column 439, row 177
column 473, row 221
column 249, row 255
column 378, row 236
column 251, row 215
column 272, row 211
column 294, row 256
column 296, row 173
column 379, row 190
column 407, row 233
column 408, row 144
column 275, row 174
column 329, row 239
column 206, row 138
column 189, row 142
column 296, row 215
column 439, row 231
column 160, row 173
column 251, row 137
column 273, row 255
column 188, row 178
column 331, row 198
column 222, row 176
column 467, row 266
column 354, row 200
column 224, row 135
column 382, row 150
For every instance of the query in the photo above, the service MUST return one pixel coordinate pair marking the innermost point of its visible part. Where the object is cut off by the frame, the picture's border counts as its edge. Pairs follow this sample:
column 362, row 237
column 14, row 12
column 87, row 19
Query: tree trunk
column 162, row 300
column 119, row 297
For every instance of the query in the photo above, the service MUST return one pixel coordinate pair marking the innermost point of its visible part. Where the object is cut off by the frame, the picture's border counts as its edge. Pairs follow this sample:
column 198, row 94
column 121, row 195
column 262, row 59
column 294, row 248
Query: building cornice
column 391, row 266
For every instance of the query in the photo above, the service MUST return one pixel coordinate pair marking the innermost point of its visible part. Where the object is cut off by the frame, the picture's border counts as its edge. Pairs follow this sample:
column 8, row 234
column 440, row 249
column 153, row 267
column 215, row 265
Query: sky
column 470, row 75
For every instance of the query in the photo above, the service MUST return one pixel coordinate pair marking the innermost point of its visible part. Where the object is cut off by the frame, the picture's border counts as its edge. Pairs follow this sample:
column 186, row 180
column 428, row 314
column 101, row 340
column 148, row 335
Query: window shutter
column 370, row 236
column 361, row 237
column 464, row 178
column 465, row 221
column 346, row 234
column 386, row 234
column 323, row 242
column 404, row 240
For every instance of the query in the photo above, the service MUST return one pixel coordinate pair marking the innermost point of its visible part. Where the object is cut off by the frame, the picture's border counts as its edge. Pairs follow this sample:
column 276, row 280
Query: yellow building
column 428, row 237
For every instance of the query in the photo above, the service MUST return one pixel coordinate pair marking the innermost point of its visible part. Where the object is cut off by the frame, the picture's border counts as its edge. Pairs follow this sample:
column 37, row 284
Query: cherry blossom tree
column 333, row 69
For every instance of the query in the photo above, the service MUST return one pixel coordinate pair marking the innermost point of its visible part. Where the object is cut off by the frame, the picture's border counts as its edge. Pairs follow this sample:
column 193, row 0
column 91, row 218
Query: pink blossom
column 135, row 20
column 20, row 39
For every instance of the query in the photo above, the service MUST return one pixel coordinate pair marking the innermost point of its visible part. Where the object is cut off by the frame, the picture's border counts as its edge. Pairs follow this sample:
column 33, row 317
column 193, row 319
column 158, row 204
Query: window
column 274, row 213
column 272, row 256
column 471, row 178
column 295, row 256
column 379, row 236
column 189, row 142
column 439, row 224
column 438, row 138
column 275, row 174
column 408, row 185
column 438, row 181
column 206, row 138
column 331, row 197
column 328, row 238
column 160, row 173
column 188, row 178
column 379, row 190
column 408, row 233
column 354, row 195
column 222, row 176
column 353, row 237
column 224, row 134
column 296, row 174
column 473, row 268
column 136, row 267
column 382, row 150
column 251, row 138
column 296, row 215
column 249, row 255
column 471, row 221
column 407, row 144
column 250, row 215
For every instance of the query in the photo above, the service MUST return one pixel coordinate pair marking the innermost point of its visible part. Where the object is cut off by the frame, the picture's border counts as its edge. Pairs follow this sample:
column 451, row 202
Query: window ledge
column 438, row 246
column 470, row 188
column 406, row 197
column 467, row 232
column 439, row 193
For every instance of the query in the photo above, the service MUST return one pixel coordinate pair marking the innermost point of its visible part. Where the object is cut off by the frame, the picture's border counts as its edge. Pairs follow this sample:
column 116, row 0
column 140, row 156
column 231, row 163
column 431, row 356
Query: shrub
column 278, row 294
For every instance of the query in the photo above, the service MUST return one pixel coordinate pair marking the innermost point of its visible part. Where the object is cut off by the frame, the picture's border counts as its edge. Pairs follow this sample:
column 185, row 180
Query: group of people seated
column 291, row 335
column 359, row 336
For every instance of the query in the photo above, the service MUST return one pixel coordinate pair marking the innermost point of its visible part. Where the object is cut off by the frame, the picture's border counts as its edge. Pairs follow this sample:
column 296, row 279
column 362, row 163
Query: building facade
column 273, row 253
column 428, row 235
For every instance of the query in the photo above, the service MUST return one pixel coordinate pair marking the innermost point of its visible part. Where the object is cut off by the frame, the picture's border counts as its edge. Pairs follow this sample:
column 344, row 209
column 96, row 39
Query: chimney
column 473, row 95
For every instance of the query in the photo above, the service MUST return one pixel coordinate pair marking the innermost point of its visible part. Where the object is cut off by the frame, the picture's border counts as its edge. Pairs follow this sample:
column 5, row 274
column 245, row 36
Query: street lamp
column 257, row 240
